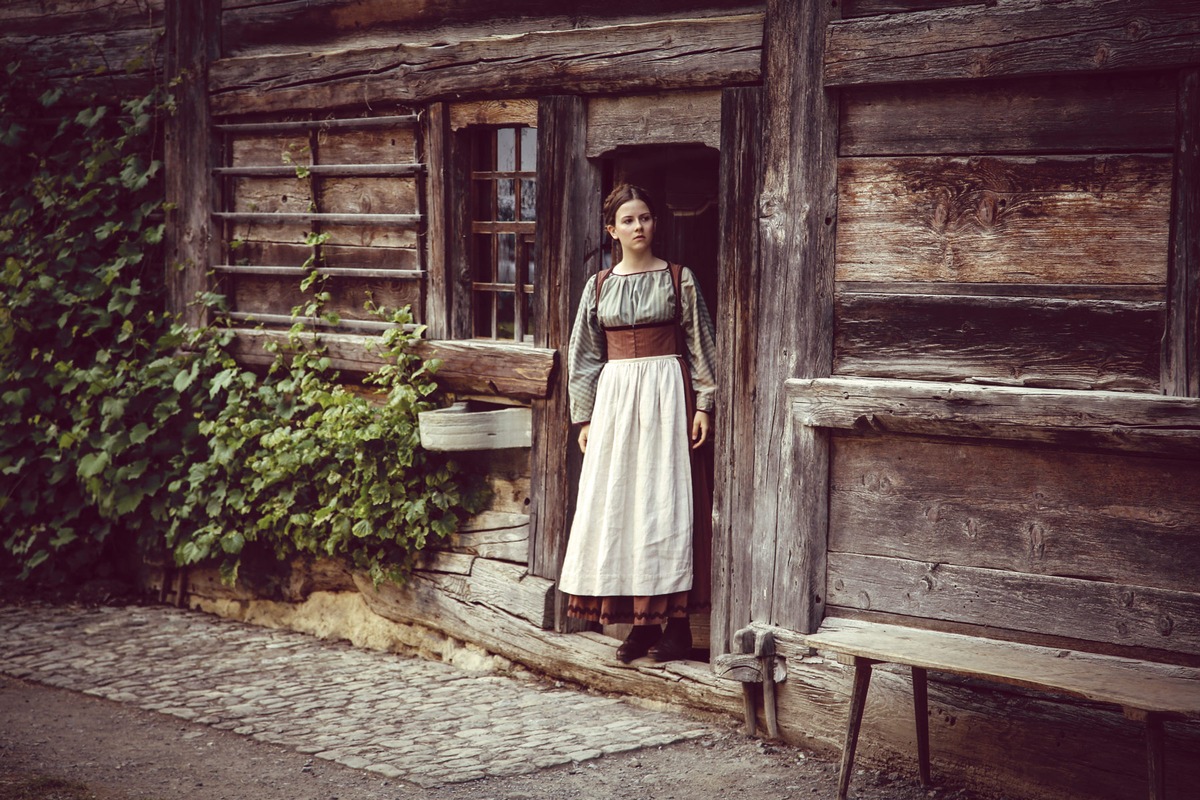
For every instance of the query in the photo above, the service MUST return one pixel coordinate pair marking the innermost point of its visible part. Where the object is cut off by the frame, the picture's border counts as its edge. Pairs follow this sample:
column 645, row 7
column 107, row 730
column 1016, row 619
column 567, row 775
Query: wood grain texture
column 1120, row 421
column 1181, row 344
column 1130, row 615
column 311, row 25
column 871, row 8
column 189, row 155
column 1019, row 37
column 1117, row 518
column 662, row 118
column 62, row 17
column 436, row 232
column 1076, row 344
column 476, row 367
column 593, row 59
column 1100, row 219
column 1120, row 681
column 797, row 212
column 1069, row 114
column 568, row 249
column 737, row 354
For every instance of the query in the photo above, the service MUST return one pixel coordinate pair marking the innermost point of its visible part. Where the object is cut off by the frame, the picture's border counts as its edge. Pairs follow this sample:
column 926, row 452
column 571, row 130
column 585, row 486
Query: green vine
column 121, row 430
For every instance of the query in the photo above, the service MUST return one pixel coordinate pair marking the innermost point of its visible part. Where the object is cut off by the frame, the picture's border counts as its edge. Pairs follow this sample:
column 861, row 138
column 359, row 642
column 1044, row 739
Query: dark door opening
column 684, row 181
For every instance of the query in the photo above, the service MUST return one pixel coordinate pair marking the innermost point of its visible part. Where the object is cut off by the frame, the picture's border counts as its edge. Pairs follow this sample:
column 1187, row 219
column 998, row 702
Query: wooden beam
column 737, row 355
column 798, row 210
column 568, row 248
column 666, row 118
column 190, row 154
column 436, row 140
column 1181, row 344
column 473, row 366
column 1019, row 37
column 690, row 53
column 1123, row 421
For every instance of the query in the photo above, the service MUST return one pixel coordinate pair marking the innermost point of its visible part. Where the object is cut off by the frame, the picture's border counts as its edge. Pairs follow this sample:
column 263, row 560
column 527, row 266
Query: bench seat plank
column 1129, row 683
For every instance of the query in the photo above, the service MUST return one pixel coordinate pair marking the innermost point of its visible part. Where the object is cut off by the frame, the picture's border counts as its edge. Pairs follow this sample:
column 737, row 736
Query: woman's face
column 634, row 227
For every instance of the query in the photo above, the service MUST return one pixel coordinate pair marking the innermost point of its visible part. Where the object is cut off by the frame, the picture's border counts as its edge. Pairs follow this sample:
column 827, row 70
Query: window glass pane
column 528, row 200
column 481, row 259
column 530, row 256
column 482, row 311
column 506, row 149
column 530, row 328
column 505, row 321
column 506, row 258
column 506, row 200
column 528, row 149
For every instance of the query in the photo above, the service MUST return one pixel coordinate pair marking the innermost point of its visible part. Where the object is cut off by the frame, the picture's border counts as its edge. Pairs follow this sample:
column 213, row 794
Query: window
column 503, row 194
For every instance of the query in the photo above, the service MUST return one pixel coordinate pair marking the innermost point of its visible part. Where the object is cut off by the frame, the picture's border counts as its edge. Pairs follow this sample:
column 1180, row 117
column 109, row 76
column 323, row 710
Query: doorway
column 684, row 181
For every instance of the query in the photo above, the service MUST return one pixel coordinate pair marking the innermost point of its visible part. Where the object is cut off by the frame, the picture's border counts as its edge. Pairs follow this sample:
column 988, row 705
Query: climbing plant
column 120, row 428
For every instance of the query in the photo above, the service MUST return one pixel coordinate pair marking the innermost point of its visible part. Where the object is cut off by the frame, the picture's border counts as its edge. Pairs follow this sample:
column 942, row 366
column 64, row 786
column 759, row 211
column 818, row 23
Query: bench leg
column 921, row 710
column 858, row 701
column 1156, row 757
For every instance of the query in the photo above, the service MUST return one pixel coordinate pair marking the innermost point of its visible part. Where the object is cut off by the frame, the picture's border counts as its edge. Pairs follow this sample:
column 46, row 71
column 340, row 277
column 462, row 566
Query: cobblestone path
column 420, row 721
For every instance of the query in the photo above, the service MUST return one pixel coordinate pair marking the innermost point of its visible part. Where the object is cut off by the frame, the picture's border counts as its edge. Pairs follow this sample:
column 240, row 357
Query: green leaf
column 93, row 464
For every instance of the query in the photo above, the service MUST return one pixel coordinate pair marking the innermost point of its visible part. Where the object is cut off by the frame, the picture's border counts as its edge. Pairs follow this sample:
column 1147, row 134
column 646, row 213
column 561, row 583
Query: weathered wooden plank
column 661, row 118
column 369, row 196
column 583, row 60
column 798, row 209
column 1129, row 615
column 392, row 145
column 568, row 248
column 477, row 367
column 1181, row 344
column 436, row 233
column 1022, row 220
column 493, row 112
column 465, row 427
column 1056, row 114
column 1125, row 682
column 1076, row 344
column 870, row 8
column 495, row 535
column 1138, row 293
column 493, row 585
column 62, row 17
column 348, row 297
column 310, row 25
column 1019, row 37
column 1110, row 517
column 738, row 279
column 1114, row 420
column 190, row 153
column 458, row 234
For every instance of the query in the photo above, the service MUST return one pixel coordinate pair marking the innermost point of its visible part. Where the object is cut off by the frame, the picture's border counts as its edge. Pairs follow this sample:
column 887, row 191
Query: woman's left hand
column 700, row 427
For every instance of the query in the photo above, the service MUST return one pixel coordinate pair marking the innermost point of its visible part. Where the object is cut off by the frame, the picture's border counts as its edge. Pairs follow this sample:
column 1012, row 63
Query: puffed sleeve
column 585, row 356
column 701, row 341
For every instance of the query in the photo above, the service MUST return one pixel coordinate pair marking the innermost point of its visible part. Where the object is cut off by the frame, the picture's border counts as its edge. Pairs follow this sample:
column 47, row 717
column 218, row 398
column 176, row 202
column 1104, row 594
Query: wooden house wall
column 111, row 47
column 1010, row 231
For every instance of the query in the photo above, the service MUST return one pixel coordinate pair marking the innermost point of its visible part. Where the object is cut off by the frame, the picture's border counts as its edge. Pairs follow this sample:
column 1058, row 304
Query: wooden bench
column 1145, row 691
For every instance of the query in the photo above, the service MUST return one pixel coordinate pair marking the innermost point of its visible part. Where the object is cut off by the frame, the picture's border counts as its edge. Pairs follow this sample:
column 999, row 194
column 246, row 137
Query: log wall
column 111, row 47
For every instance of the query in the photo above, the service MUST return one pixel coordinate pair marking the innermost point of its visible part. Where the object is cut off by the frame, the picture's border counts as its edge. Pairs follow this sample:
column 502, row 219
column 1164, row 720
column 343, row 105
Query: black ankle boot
column 639, row 641
column 676, row 642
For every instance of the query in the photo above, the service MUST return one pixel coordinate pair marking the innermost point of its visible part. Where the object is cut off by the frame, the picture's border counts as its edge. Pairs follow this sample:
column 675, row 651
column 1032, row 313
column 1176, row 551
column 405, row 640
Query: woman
column 641, row 381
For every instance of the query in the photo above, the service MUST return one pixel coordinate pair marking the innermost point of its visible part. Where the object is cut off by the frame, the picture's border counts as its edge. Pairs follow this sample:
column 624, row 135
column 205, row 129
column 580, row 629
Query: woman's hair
column 621, row 195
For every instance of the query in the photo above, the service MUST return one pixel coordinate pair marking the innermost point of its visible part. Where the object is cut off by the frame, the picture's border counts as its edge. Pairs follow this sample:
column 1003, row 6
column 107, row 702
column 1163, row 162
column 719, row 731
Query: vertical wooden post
column 435, row 292
column 798, row 212
column 568, row 249
column 858, row 702
column 733, row 479
column 461, row 324
column 1181, row 344
column 193, row 39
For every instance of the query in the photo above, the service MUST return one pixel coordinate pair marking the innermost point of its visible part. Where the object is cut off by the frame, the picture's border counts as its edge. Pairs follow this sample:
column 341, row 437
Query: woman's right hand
column 583, row 434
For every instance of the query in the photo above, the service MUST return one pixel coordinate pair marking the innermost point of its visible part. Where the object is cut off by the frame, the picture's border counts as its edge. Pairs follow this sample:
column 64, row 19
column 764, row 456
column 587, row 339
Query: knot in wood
column 1165, row 625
